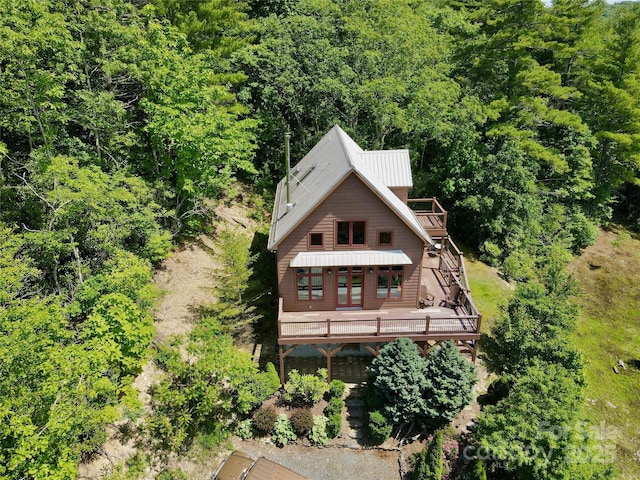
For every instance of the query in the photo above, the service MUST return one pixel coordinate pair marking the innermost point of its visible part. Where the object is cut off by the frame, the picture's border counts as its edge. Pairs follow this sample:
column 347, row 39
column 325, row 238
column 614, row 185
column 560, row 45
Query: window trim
column 350, row 244
column 390, row 232
column 309, row 275
column 310, row 245
column 389, row 274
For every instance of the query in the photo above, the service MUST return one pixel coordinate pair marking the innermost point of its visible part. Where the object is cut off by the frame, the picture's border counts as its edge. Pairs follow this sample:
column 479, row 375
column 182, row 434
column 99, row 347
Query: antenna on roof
column 287, row 136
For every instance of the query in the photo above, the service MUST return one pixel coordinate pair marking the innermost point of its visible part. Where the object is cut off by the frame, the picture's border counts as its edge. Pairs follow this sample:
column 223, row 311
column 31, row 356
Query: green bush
column 305, row 389
column 477, row 471
column 283, row 431
column 318, row 434
column 264, row 419
column 335, row 406
column 272, row 377
column 334, row 425
column 379, row 428
column 428, row 462
column 172, row 474
column 302, row 421
column 245, row 429
column 336, row 388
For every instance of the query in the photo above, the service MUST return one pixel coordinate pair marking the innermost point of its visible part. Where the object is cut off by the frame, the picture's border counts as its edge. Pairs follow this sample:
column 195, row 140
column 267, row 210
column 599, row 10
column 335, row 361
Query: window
column 350, row 233
column 385, row 238
column 309, row 281
column 316, row 240
column 390, row 282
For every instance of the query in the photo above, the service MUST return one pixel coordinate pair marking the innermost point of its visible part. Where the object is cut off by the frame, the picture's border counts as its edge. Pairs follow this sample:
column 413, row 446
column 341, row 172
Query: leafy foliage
column 318, row 433
column 283, row 431
column 378, row 428
column 336, row 388
column 245, row 429
column 305, row 389
column 428, row 462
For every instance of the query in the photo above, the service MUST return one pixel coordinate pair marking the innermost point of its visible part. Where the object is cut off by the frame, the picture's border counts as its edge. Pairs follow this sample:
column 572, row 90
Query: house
column 359, row 262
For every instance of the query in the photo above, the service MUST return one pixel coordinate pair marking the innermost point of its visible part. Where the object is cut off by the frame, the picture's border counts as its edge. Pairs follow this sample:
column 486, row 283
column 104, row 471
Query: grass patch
column 488, row 290
column 607, row 275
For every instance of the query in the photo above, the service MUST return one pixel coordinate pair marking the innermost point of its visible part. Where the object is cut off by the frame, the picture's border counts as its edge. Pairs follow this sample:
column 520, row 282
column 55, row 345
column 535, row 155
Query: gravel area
column 330, row 463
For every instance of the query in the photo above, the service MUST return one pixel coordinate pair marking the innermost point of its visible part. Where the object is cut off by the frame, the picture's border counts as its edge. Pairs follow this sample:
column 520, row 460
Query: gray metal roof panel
column 320, row 170
column 350, row 258
column 392, row 166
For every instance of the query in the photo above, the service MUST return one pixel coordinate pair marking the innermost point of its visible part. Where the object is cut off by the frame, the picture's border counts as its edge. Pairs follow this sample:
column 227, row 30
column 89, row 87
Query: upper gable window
column 385, row 238
column 350, row 233
column 316, row 240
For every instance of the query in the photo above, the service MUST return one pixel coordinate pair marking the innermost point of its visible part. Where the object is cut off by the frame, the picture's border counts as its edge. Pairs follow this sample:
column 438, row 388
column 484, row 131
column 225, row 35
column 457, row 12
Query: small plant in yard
column 335, row 406
column 272, row 377
column 245, row 429
column 336, row 388
column 264, row 419
column 428, row 462
column 305, row 389
column 334, row 425
column 283, row 431
column 302, row 421
column 318, row 434
column 379, row 427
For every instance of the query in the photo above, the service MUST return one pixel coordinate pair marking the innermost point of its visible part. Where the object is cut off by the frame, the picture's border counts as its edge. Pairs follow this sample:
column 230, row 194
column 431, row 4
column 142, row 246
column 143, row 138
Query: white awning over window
column 350, row 258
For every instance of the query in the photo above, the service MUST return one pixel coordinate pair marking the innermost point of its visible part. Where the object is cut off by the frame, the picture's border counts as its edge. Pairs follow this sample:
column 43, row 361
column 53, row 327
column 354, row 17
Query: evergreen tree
column 449, row 384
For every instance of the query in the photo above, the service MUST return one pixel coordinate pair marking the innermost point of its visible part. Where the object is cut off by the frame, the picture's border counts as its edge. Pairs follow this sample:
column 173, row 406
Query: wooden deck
column 360, row 326
column 431, row 215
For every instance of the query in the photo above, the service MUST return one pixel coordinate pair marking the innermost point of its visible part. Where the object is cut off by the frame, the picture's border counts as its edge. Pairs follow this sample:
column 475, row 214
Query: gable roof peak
column 326, row 165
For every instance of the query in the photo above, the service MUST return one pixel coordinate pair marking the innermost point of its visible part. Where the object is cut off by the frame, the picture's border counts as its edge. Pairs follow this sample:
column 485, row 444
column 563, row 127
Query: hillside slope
column 607, row 276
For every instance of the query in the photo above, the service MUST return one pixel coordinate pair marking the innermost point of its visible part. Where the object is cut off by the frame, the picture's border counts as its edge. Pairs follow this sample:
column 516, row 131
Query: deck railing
column 376, row 327
column 452, row 264
column 431, row 208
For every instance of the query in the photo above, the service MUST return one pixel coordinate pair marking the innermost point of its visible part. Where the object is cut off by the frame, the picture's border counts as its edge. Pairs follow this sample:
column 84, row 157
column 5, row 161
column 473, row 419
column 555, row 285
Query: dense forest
column 121, row 120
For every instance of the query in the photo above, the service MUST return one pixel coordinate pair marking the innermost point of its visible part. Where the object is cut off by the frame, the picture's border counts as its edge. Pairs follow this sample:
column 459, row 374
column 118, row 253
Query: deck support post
column 427, row 324
column 281, row 355
column 378, row 320
column 328, row 327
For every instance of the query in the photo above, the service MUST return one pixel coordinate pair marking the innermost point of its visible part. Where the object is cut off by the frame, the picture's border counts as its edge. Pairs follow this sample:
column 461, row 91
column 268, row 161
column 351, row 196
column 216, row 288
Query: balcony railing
column 431, row 215
column 430, row 325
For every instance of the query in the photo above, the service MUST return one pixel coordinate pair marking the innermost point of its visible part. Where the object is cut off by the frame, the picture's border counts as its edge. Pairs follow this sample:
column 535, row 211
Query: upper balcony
column 431, row 215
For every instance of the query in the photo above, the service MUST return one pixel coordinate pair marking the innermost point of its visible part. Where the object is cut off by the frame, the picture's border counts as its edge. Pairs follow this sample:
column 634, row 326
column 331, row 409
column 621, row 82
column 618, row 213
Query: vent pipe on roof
column 287, row 136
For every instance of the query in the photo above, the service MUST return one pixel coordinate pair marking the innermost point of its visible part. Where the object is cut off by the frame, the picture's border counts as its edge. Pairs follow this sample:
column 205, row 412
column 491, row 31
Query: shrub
column 420, row 468
column 272, row 377
column 264, row 419
column 302, row 421
column 318, row 433
column 172, row 474
column 305, row 389
column 478, row 471
column 245, row 429
column 434, row 457
column 334, row 407
column 336, row 388
column 379, row 428
column 428, row 462
column 283, row 431
column 334, row 425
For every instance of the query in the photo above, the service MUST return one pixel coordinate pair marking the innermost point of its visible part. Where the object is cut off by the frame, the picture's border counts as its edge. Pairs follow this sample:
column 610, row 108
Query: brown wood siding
column 351, row 200
column 402, row 193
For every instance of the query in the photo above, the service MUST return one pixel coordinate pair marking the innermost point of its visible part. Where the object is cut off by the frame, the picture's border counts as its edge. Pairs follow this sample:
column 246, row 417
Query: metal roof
column 325, row 166
column 392, row 166
column 350, row 258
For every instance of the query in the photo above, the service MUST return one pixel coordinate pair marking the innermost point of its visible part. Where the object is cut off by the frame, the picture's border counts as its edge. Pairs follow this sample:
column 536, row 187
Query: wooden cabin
column 361, row 263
